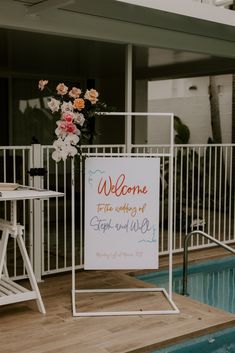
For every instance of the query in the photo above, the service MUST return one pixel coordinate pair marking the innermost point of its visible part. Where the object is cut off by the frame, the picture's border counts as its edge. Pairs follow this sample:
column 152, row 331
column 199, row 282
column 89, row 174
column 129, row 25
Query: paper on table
column 8, row 186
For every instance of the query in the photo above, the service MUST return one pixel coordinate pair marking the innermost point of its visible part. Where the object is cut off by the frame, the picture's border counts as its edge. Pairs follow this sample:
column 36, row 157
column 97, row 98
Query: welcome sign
column 121, row 213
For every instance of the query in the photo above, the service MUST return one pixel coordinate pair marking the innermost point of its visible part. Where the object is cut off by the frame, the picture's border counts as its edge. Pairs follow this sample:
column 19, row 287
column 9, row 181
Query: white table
column 11, row 292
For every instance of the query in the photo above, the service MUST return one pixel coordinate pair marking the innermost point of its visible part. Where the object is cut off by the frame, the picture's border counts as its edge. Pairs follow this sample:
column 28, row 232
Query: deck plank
column 23, row 329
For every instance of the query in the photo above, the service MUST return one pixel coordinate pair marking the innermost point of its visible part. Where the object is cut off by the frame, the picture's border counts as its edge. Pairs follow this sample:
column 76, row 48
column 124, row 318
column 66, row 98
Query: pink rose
column 63, row 126
column 71, row 128
column 68, row 117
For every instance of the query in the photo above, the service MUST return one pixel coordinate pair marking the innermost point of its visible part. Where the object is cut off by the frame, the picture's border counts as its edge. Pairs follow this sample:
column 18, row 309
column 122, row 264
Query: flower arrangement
column 73, row 108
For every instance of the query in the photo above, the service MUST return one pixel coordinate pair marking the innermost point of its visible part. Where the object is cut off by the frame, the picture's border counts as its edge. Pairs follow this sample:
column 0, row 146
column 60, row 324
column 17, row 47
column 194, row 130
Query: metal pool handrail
column 185, row 260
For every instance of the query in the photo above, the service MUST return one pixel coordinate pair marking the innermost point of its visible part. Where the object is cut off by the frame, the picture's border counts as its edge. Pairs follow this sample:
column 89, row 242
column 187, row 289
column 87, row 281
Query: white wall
column 191, row 105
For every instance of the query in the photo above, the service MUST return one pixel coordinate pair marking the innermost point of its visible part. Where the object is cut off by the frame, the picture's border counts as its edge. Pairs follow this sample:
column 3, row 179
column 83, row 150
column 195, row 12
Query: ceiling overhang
column 114, row 21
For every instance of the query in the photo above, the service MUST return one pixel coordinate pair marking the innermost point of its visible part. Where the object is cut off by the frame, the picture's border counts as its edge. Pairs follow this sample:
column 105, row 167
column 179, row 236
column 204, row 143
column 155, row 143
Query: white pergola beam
column 47, row 5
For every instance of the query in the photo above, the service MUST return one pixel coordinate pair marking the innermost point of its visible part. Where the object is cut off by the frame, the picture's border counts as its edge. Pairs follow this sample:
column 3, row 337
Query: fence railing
column 15, row 162
column 204, row 192
column 204, row 199
column 56, row 233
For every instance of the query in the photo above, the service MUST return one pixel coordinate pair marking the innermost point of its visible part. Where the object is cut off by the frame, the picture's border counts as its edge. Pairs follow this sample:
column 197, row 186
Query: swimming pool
column 218, row 342
column 211, row 282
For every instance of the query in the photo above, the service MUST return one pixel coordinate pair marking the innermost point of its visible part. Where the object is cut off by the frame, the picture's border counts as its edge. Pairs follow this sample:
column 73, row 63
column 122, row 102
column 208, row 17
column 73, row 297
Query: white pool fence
column 204, row 198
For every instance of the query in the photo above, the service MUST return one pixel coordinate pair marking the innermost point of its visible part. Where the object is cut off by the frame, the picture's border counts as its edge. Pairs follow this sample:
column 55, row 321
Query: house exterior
column 116, row 46
column 189, row 99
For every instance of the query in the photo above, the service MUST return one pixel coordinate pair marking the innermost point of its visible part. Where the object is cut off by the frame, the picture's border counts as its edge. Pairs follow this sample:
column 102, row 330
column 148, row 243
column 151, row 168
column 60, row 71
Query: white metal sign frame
column 167, row 294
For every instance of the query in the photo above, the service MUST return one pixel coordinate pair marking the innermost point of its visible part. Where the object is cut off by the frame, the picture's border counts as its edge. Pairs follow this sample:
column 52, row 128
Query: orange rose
column 79, row 103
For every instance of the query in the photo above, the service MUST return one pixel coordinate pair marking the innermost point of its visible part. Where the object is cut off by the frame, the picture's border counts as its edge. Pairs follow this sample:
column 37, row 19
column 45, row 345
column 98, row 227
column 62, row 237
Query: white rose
column 54, row 105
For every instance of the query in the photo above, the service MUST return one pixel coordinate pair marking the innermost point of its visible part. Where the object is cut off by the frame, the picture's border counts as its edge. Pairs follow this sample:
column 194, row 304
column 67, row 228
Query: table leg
column 3, row 250
column 30, row 273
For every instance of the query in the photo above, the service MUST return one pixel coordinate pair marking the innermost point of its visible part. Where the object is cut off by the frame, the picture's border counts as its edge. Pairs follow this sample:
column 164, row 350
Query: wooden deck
column 24, row 330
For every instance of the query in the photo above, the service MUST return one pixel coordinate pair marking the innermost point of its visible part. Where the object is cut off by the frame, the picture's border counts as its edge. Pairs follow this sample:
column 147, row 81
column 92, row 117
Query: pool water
column 218, row 342
column 211, row 282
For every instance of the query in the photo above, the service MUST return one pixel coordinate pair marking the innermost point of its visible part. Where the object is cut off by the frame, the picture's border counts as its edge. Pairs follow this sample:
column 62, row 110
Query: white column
column 140, row 97
column 141, row 105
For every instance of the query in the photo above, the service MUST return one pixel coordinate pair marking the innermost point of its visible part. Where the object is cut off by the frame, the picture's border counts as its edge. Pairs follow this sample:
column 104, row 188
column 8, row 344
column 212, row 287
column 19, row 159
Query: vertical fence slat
column 57, row 219
column 204, row 194
column 219, row 194
column 225, row 193
column 192, row 195
column 187, row 191
column 162, row 205
column 174, row 198
column 230, row 194
column 65, row 216
column 181, row 198
column 198, row 188
column 209, row 192
column 215, row 189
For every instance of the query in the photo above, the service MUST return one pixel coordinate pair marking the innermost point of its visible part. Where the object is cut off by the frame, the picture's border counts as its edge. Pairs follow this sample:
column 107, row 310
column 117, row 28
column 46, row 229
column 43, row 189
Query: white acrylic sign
column 121, row 213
